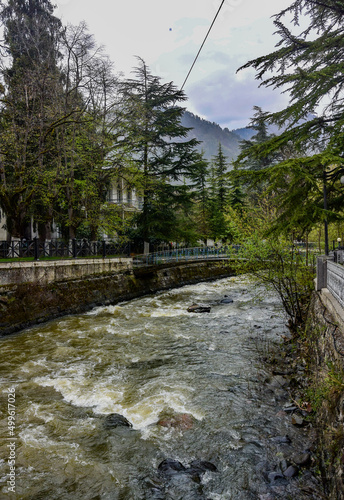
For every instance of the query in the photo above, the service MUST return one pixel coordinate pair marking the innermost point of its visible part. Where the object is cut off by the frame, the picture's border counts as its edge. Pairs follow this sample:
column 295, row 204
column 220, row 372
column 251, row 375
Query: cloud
column 229, row 100
column 168, row 35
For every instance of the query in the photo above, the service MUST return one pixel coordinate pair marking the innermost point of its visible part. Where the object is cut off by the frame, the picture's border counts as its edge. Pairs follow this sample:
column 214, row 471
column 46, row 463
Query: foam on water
column 81, row 391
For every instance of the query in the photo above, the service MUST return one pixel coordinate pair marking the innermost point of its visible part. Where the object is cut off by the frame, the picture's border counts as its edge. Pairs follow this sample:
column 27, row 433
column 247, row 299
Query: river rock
column 227, row 300
column 170, row 466
column 201, row 466
column 290, row 409
column 180, row 421
column 302, row 460
column 284, row 465
column 292, row 471
column 297, row 420
column 117, row 420
column 275, row 476
column 196, row 308
column 278, row 381
column 281, row 439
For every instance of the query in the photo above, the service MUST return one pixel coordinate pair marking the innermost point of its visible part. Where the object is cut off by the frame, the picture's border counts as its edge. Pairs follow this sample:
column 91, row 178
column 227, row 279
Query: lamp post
column 325, row 208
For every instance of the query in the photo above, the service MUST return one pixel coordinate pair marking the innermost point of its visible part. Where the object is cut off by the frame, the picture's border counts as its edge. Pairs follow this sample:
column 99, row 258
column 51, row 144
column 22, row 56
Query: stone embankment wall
column 49, row 271
column 325, row 357
column 27, row 303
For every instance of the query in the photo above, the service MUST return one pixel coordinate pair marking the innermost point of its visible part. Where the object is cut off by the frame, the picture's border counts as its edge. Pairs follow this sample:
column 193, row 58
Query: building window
column 119, row 194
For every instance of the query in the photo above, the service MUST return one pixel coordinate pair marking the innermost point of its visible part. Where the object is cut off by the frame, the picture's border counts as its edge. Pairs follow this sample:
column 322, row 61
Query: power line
column 198, row 53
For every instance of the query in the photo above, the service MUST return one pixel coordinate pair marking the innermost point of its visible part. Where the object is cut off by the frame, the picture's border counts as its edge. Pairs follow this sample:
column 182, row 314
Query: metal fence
column 184, row 254
column 36, row 249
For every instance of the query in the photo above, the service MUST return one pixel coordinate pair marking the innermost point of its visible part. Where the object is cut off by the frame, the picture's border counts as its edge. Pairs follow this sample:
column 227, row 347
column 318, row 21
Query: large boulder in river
column 116, row 420
column 180, row 421
column 196, row 308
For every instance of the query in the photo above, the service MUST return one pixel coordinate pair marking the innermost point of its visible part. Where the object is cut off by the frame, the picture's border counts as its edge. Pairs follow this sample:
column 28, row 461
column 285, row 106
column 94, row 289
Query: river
column 200, row 375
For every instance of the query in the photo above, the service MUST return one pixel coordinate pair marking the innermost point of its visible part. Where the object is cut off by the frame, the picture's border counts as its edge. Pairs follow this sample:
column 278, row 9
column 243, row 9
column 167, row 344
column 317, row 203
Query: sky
column 168, row 34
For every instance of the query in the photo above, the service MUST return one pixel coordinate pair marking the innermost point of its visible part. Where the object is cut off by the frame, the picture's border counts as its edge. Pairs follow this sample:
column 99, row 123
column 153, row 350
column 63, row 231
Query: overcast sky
column 168, row 34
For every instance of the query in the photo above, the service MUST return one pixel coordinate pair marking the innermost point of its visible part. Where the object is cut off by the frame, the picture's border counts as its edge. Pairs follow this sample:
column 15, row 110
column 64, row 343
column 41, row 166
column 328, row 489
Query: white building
column 126, row 196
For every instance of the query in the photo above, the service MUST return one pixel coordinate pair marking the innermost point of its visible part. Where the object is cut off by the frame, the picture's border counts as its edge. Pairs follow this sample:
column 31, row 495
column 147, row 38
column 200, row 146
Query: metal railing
column 58, row 249
column 185, row 254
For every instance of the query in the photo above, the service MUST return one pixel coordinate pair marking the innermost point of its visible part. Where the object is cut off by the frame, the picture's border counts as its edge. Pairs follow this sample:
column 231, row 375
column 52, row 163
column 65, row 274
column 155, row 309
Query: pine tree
column 159, row 148
column 307, row 64
column 218, row 192
column 259, row 123
column 199, row 187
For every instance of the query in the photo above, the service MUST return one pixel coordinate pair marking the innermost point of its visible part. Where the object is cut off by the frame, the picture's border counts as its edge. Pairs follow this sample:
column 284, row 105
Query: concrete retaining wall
column 50, row 271
column 335, row 281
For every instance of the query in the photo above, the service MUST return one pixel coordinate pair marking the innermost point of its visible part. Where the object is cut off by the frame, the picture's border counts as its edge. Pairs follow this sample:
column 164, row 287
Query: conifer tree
column 159, row 148
column 218, row 192
column 308, row 64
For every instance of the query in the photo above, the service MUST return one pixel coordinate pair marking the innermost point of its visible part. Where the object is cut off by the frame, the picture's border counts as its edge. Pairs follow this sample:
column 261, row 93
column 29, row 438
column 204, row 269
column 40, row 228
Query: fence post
column 321, row 281
column 104, row 249
column 74, row 248
column 36, row 248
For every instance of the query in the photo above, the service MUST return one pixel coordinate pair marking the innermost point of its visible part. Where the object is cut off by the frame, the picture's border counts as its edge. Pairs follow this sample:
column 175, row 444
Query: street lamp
column 325, row 208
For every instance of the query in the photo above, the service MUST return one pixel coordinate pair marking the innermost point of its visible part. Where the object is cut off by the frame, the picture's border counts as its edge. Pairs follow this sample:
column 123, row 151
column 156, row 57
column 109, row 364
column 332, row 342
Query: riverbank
column 322, row 348
column 25, row 304
column 313, row 364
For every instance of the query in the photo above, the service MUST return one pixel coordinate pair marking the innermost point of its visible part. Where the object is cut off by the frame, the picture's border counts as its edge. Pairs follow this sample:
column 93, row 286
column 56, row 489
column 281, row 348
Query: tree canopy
column 307, row 64
column 160, row 150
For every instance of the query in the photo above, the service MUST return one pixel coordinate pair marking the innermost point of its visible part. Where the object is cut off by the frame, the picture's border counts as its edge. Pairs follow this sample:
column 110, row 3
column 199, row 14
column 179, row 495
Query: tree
column 30, row 77
column 200, row 195
column 309, row 66
column 218, row 194
column 86, row 135
column 159, row 149
column 59, row 126
column 283, row 269
column 260, row 124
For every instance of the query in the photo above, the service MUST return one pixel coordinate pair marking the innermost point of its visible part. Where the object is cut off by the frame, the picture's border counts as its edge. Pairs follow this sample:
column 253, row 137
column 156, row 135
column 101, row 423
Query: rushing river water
column 150, row 360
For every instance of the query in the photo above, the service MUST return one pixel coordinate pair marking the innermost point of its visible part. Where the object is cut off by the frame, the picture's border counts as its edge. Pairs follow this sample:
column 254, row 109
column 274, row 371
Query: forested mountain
column 244, row 133
column 211, row 134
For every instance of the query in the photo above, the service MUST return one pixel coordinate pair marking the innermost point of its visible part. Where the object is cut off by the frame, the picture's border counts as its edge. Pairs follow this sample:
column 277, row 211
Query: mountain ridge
column 211, row 134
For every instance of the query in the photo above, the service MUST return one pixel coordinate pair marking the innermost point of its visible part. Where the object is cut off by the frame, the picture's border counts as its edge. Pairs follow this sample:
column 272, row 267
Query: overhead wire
column 205, row 39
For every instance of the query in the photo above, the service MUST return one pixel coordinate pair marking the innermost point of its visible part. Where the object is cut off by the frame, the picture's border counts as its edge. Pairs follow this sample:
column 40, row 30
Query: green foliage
column 249, row 159
column 159, row 149
column 57, row 122
column 283, row 268
column 329, row 389
column 306, row 63
column 217, row 195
